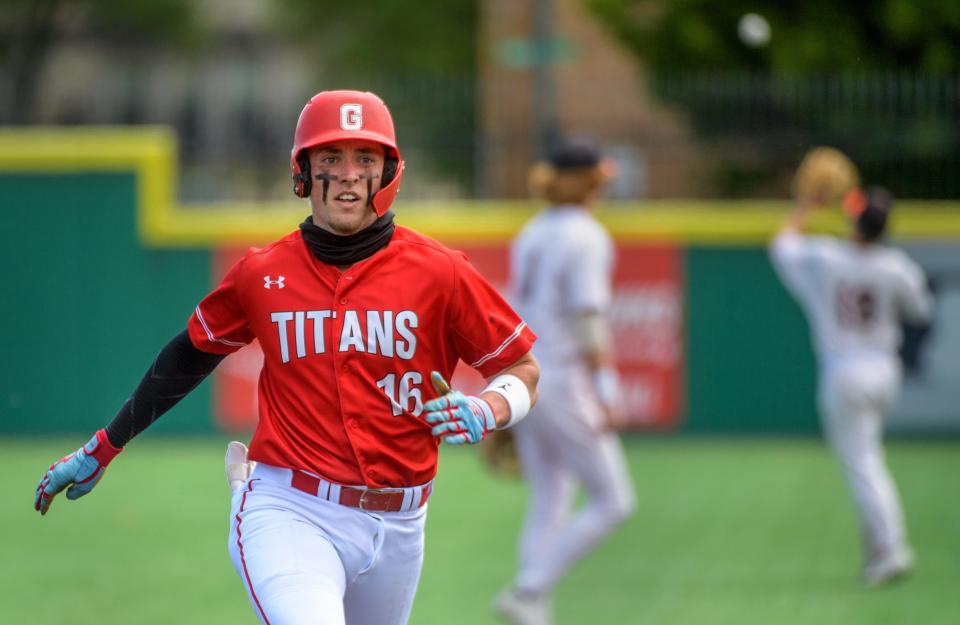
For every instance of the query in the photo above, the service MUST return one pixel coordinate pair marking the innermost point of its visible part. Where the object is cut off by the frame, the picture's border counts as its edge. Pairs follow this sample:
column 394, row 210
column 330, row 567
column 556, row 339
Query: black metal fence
column 902, row 129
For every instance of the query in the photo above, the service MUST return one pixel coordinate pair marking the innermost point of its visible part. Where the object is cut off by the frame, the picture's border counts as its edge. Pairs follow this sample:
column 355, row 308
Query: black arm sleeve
column 178, row 369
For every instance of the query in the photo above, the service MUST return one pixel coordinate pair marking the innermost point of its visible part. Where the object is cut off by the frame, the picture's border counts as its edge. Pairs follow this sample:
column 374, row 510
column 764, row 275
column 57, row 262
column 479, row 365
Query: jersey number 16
column 401, row 396
column 856, row 306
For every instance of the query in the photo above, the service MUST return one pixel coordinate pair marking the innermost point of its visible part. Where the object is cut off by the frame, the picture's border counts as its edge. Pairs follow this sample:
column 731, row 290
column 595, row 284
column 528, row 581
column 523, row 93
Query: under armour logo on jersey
column 351, row 116
column 267, row 282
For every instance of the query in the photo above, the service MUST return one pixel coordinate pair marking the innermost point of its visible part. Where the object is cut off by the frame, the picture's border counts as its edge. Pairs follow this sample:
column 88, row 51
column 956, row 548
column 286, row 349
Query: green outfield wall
column 103, row 267
column 86, row 306
column 750, row 366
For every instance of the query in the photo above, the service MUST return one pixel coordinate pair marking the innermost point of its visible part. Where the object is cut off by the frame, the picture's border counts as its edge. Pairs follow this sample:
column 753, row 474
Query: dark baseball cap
column 872, row 221
column 575, row 152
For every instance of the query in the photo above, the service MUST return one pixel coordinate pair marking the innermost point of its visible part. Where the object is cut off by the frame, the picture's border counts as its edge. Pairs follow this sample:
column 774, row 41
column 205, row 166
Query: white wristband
column 512, row 389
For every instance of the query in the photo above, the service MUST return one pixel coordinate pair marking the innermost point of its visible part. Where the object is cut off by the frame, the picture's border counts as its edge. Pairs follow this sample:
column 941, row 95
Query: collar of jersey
column 343, row 250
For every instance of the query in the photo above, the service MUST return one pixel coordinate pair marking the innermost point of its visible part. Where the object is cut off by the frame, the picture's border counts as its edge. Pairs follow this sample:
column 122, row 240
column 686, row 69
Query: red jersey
column 348, row 354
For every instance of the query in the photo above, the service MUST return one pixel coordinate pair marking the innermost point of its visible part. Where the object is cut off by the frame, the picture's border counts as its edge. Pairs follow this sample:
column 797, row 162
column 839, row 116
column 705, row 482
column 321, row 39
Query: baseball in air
column 754, row 30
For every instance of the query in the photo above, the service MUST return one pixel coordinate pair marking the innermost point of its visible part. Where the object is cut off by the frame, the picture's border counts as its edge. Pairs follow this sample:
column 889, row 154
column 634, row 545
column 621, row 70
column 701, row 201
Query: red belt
column 373, row 499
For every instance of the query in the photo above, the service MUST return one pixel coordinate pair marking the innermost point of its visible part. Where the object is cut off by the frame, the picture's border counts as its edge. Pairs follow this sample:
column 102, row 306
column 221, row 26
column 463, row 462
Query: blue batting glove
column 458, row 418
column 82, row 469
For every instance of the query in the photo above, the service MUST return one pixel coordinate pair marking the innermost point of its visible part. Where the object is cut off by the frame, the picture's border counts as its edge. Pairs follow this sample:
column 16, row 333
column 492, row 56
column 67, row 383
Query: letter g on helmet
column 338, row 115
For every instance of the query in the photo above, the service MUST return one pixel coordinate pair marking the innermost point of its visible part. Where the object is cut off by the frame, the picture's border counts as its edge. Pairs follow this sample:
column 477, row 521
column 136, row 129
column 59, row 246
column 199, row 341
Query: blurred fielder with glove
column 561, row 269
column 855, row 293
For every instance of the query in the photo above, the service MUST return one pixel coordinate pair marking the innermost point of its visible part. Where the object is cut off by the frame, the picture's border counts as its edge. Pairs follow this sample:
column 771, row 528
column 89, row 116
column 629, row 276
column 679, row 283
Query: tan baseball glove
column 500, row 454
column 824, row 176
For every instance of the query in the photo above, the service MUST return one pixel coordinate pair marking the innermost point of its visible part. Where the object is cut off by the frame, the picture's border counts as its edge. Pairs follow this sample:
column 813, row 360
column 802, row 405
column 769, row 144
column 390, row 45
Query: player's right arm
column 216, row 326
column 587, row 294
column 796, row 219
column 177, row 370
column 792, row 253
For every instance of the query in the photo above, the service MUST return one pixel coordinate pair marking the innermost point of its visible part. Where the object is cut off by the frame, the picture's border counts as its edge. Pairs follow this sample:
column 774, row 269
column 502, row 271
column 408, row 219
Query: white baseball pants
column 854, row 396
column 308, row 561
column 560, row 447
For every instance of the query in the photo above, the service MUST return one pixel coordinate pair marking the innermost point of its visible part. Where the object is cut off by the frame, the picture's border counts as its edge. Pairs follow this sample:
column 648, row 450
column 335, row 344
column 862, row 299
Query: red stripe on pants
column 243, row 561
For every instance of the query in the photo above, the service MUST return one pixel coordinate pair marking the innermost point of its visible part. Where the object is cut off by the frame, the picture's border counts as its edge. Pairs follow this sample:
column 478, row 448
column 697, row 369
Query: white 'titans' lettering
column 298, row 318
column 380, row 332
column 378, row 335
column 351, row 336
column 406, row 319
column 318, row 317
column 281, row 319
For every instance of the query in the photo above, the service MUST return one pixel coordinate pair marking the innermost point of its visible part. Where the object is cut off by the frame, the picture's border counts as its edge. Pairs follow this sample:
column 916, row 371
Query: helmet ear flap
column 390, row 165
column 302, row 181
column 383, row 198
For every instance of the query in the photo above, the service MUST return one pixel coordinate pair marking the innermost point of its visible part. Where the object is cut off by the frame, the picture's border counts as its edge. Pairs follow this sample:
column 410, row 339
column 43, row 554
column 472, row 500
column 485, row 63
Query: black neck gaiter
column 341, row 250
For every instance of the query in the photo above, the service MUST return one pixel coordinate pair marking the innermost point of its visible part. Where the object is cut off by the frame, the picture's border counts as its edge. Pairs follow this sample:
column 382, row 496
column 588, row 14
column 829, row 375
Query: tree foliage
column 807, row 35
column 30, row 27
column 433, row 37
column 873, row 78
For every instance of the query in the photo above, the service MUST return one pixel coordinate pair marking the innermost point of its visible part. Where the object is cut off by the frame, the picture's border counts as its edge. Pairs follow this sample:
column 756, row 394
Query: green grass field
column 737, row 532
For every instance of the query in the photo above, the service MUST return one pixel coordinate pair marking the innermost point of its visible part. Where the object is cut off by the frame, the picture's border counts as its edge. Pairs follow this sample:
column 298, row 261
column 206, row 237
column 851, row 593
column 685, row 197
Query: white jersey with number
column 855, row 295
column 561, row 266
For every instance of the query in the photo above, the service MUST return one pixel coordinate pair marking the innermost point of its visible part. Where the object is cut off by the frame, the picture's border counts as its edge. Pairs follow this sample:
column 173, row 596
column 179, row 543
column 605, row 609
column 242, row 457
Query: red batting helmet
column 337, row 115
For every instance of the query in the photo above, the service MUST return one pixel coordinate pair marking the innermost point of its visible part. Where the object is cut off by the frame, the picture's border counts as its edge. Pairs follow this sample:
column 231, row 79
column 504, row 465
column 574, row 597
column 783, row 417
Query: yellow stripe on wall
column 151, row 154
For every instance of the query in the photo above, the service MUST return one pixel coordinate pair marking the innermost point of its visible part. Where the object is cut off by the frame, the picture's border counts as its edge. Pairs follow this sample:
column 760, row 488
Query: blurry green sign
column 522, row 53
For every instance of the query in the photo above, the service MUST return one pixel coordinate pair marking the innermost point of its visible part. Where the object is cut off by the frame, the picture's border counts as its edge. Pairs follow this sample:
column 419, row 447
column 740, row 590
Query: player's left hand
column 83, row 469
column 455, row 417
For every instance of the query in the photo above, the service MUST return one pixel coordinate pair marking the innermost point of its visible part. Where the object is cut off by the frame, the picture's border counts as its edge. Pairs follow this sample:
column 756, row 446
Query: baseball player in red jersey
column 359, row 320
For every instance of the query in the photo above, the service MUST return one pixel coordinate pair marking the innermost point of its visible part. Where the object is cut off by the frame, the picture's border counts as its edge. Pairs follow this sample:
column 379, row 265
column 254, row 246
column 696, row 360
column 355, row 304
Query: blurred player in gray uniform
column 561, row 266
column 855, row 293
